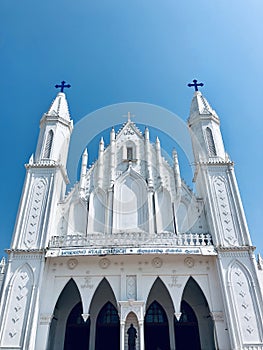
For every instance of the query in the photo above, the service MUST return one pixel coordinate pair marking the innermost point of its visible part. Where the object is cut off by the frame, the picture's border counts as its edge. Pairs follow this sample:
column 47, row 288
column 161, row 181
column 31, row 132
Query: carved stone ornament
column 189, row 262
column 85, row 316
column 72, row 263
column 157, row 262
column 104, row 263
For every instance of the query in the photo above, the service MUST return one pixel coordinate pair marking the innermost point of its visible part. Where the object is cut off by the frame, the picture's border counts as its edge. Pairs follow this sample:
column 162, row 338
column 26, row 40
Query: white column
column 141, row 325
column 122, row 335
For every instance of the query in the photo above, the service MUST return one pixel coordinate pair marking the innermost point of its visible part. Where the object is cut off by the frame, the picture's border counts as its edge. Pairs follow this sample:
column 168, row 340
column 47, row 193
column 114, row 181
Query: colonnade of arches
column 103, row 329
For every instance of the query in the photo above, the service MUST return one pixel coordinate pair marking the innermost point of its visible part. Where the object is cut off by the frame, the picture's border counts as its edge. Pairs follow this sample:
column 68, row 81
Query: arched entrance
column 77, row 330
column 195, row 328
column 108, row 328
column 68, row 300
column 156, row 328
column 186, row 329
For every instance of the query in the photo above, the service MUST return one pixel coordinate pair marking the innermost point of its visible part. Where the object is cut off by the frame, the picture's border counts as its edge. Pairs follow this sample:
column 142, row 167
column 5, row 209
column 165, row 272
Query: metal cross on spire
column 129, row 116
column 62, row 86
column 195, row 84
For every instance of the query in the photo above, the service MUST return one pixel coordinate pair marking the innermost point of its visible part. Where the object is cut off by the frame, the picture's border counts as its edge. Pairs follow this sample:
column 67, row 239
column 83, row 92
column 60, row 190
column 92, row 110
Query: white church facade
column 131, row 258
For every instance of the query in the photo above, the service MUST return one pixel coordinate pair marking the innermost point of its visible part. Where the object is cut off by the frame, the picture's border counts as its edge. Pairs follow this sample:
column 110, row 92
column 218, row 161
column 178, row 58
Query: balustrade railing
column 131, row 239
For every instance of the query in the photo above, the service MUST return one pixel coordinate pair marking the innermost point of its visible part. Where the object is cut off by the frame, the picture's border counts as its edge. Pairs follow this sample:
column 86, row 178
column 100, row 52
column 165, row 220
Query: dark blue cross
column 62, row 86
column 195, row 84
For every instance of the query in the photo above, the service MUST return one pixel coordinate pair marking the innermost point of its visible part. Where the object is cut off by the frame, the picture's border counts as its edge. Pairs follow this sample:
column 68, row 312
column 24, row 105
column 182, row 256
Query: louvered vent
column 211, row 143
column 48, row 145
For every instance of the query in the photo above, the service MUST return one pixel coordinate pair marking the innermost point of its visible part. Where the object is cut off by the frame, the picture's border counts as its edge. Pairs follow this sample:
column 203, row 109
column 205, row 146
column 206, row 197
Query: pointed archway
column 104, row 318
column 77, row 330
column 194, row 330
column 67, row 301
column 158, row 322
column 156, row 328
column 186, row 329
column 108, row 328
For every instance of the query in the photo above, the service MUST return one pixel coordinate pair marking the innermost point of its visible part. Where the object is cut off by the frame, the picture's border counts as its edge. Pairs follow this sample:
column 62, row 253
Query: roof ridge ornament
column 62, row 86
column 195, row 84
column 129, row 116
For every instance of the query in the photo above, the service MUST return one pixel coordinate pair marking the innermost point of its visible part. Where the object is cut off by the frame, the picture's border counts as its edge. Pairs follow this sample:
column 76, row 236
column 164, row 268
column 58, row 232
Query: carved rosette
column 157, row 262
column 104, row 263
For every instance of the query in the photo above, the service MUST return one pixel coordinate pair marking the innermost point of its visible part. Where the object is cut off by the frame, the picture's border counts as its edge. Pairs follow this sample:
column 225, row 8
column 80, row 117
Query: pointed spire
column 59, row 107
column 101, row 147
column 84, row 164
column 200, row 106
column 177, row 175
column 147, row 134
column 112, row 135
column 31, row 159
column 157, row 143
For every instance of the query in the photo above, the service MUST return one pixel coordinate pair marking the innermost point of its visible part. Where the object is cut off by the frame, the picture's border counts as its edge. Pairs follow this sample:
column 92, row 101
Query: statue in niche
column 132, row 335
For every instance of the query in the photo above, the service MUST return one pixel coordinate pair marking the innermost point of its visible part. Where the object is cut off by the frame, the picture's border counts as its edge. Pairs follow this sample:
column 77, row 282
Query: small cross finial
column 62, row 86
column 195, row 84
column 129, row 116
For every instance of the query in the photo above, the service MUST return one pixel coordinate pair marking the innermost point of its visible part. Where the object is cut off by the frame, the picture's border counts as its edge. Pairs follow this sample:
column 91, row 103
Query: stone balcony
column 131, row 243
column 131, row 239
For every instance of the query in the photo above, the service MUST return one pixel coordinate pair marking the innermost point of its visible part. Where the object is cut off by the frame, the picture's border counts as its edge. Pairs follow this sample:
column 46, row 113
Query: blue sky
column 142, row 51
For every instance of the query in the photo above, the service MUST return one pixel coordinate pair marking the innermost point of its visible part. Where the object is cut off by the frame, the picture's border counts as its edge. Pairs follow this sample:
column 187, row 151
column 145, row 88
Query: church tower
column 216, row 184
column 131, row 258
column 44, row 186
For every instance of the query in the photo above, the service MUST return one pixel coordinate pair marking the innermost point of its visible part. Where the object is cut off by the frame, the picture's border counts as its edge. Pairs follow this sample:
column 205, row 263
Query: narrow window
column 210, row 141
column 48, row 144
column 129, row 153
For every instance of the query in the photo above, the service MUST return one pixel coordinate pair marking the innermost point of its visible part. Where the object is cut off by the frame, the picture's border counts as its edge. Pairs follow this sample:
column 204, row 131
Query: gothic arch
column 20, row 302
column 160, row 294
column 103, row 294
column 97, row 211
column 243, row 301
column 194, row 296
column 67, row 300
column 131, row 319
column 130, row 205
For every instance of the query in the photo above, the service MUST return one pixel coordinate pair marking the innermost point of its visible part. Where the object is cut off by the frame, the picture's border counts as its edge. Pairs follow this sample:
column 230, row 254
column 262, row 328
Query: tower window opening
column 48, row 145
column 210, row 141
column 129, row 153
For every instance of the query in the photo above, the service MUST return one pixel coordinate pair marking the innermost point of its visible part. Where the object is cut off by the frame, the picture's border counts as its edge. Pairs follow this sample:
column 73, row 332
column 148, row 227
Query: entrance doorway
column 77, row 330
column 156, row 328
column 108, row 328
column 186, row 329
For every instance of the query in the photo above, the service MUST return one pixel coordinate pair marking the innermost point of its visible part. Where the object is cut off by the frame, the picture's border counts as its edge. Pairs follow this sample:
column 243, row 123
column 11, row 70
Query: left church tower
column 44, row 186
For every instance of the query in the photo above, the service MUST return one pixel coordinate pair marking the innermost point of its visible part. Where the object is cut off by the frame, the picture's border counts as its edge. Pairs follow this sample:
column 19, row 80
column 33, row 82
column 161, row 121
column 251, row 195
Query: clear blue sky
column 143, row 51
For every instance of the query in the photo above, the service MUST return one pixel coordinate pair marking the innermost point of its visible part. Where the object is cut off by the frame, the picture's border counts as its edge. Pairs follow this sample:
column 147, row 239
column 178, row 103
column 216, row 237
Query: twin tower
column 131, row 249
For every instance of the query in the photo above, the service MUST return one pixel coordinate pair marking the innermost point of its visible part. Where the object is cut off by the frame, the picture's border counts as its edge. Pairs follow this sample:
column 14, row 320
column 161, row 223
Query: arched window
column 155, row 314
column 108, row 315
column 48, row 145
column 210, row 141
